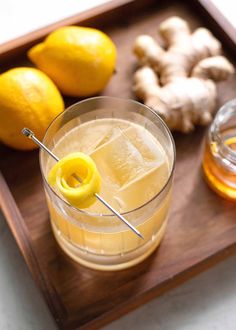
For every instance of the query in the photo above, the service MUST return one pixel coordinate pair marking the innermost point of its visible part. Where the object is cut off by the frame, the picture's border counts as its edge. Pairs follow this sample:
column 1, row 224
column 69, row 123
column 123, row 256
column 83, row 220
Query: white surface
column 18, row 17
column 207, row 302
column 228, row 8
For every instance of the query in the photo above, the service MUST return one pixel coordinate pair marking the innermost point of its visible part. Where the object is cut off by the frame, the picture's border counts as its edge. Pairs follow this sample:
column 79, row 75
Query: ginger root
column 179, row 83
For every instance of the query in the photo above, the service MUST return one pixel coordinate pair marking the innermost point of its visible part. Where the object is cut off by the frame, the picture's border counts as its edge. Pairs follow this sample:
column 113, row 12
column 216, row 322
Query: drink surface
column 133, row 165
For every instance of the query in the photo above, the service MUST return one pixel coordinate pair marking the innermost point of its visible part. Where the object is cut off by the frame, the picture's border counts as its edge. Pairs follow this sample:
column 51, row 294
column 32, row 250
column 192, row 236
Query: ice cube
column 87, row 137
column 149, row 147
column 128, row 155
column 142, row 189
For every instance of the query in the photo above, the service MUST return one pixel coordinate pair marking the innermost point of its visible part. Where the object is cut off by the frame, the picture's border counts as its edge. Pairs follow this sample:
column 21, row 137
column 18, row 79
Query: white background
column 18, row 17
column 207, row 302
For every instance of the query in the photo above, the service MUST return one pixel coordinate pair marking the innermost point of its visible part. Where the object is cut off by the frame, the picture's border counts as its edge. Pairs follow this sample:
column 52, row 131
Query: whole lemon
column 79, row 60
column 28, row 98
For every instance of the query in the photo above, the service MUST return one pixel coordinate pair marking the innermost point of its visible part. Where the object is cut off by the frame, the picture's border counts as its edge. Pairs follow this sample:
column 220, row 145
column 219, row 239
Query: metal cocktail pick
column 28, row 133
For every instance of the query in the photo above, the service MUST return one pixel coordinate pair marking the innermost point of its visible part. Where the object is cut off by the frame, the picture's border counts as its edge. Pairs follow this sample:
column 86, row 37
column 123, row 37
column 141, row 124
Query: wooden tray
column 202, row 226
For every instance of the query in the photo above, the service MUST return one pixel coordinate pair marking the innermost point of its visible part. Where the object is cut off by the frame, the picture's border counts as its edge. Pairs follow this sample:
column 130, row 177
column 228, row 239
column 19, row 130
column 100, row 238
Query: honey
column 219, row 159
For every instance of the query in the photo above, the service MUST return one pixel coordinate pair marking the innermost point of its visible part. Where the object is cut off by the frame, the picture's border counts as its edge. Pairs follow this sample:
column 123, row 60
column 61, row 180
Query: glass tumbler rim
column 90, row 99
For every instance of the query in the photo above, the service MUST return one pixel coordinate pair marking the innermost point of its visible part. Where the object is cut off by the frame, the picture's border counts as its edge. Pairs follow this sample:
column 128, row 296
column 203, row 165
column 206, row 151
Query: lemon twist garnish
column 77, row 178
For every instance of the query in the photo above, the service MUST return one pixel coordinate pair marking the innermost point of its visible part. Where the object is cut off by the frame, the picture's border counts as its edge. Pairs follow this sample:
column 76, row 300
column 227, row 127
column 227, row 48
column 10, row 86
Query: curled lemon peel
column 77, row 178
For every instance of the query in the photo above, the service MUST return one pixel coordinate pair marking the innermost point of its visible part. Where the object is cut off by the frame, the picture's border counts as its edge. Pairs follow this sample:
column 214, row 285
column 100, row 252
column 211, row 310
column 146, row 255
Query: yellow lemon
column 28, row 98
column 77, row 179
column 79, row 60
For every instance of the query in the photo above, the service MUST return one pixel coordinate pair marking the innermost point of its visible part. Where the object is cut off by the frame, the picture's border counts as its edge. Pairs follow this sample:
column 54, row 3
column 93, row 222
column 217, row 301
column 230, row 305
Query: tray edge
column 19, row 231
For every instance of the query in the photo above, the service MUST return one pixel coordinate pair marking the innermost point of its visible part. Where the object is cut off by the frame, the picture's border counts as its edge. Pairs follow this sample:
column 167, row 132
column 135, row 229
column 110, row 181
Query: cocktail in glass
column 135, row 155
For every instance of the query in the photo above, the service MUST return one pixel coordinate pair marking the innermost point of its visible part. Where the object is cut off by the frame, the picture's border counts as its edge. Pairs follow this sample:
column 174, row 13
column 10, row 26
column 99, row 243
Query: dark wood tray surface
column 202, row 226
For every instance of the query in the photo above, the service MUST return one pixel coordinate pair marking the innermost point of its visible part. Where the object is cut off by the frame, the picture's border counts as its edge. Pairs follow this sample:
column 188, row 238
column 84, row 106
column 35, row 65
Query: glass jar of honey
column 219, row 160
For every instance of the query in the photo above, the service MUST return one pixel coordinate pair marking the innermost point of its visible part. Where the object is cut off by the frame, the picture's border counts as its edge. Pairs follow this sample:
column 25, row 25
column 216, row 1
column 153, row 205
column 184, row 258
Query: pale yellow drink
column 134, row 153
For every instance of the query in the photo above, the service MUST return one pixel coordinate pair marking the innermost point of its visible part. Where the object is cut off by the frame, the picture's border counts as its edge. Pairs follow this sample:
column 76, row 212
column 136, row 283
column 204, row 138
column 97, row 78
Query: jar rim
column 167, row 130
column 223, row 116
